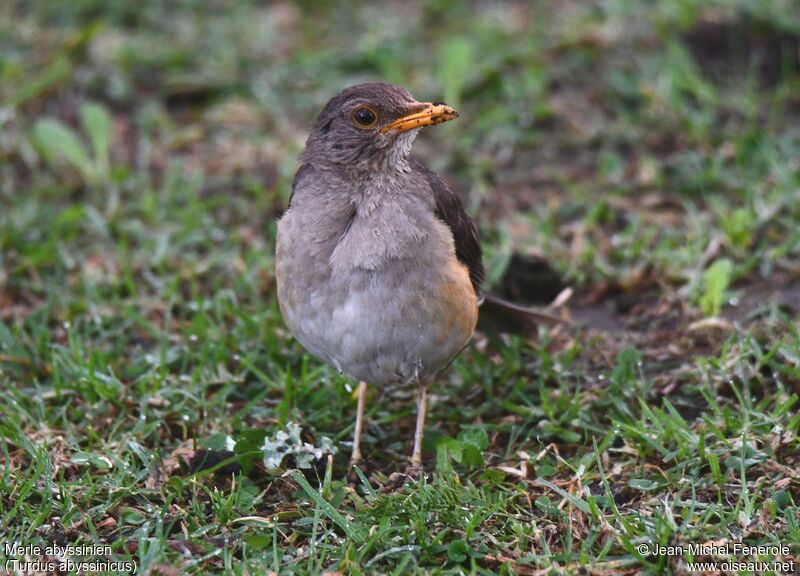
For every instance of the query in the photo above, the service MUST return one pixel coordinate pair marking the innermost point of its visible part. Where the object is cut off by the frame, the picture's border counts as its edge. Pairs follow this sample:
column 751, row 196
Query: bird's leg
column 355, row 457
column 422, row 408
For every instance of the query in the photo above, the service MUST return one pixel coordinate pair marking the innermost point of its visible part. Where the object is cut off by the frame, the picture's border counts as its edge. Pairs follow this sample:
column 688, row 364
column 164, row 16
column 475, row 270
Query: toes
column 353, row 478
column 410, row 475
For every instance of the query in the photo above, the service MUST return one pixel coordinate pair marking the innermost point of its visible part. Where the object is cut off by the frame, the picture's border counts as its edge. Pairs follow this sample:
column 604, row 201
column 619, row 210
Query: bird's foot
column 411, row 474
column 353, row 478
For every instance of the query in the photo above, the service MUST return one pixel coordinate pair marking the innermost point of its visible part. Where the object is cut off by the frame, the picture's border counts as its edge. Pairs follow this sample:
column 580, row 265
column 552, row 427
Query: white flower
column 287, row 442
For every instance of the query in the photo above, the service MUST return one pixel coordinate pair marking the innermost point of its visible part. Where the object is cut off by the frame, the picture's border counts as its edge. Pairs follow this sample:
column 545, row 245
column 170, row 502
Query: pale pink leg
column 355, row 457
column 422, row 408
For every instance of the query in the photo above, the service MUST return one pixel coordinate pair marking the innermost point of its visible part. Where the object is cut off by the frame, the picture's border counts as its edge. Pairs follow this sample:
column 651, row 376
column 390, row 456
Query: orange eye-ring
column 365, row 117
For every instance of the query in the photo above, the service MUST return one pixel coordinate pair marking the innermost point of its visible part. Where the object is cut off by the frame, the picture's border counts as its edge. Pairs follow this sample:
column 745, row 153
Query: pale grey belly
column 381, row 328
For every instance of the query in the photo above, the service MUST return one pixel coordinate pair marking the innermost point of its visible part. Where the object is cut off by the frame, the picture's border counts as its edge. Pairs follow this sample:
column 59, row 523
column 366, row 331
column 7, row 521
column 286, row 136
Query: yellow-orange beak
column 423, row 114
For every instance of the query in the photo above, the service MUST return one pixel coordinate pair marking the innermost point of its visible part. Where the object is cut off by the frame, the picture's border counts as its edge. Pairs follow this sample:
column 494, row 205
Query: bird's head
column 370, row 127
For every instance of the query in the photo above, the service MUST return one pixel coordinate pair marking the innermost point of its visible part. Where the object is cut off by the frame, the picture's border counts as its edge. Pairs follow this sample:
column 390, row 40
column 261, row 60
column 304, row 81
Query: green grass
column 643, row 151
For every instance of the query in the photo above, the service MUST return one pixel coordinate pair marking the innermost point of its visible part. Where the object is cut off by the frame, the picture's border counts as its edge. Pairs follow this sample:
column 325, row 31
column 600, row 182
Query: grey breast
column 359, row 273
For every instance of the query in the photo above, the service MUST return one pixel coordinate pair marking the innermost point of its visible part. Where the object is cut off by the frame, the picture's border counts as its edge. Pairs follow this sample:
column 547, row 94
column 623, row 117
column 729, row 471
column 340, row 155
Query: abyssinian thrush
column 378, row 266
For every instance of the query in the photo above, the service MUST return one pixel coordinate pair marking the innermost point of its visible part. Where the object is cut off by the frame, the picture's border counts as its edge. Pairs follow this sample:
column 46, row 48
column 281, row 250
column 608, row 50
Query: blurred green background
column 561, row 102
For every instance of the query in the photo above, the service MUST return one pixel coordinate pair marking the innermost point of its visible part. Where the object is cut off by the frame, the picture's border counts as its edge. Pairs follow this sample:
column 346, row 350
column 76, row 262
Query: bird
column 378, row 266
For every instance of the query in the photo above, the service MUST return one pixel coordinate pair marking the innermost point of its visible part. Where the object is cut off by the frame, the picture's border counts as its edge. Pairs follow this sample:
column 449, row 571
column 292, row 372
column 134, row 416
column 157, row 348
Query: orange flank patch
column 459, row 307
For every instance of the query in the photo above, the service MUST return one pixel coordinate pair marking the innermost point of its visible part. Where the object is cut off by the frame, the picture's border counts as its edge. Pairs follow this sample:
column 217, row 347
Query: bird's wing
column 496, row 313
column 303, row 170
column 450, row 210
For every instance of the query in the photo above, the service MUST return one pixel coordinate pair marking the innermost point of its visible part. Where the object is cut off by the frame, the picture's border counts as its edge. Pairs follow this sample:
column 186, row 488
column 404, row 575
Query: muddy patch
column 741, row 46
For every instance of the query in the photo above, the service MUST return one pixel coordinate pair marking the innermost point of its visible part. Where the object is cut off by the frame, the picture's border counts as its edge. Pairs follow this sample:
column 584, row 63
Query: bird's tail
column 500, row 315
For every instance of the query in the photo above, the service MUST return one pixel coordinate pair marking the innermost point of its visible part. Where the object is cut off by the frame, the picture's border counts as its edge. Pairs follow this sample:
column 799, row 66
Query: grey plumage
column 378, row 266
column 360, row 256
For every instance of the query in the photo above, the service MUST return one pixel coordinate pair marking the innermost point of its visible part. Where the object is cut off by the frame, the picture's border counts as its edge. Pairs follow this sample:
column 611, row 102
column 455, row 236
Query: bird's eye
column 365, row 117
